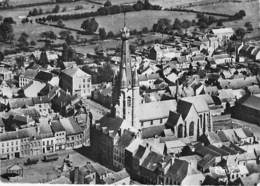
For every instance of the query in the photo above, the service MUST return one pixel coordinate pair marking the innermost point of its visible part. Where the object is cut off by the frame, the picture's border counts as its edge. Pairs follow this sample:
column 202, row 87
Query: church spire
column 125, row 67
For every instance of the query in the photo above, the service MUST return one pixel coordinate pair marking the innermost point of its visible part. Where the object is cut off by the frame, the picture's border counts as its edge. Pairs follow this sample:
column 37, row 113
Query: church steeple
column 125, row 66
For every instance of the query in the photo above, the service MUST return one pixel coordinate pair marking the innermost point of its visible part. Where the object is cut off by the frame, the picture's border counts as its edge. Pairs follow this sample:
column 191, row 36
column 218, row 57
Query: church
column 187, row 117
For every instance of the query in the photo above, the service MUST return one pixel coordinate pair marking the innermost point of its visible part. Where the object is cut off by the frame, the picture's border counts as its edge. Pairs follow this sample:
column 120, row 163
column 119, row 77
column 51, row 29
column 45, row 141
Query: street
column 45, row 171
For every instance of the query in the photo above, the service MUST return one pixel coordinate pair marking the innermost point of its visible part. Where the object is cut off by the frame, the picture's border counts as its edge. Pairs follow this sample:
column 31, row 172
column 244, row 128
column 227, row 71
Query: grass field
column 134, row 20
column 251, row 9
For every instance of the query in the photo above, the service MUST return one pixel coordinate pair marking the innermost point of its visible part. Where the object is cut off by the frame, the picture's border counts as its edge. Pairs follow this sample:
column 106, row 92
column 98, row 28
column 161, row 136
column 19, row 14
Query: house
column 33, row 88
column 42, row 105
column 45, row 133
column 220, row 59
column 47, row 77
column 74, row 133
column 223, row 34
column 118, row 178
column 103, row 137
column 10, row 147
column 5, row 74
column 248, row 109
column 26, row 77
column 76, row 81
column 84, row 175
column 103, row 95
column 159, row 52
column 119, row 149
column 60, row 135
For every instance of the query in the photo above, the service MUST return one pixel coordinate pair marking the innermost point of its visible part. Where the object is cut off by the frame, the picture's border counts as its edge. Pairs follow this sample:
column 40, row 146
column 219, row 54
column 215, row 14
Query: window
column 12, row 143
column 3, row 144
column 151, row 122
column 43, row 143
column 7, row 144
column 83, row 80
column 16, row 148
column 16, row 142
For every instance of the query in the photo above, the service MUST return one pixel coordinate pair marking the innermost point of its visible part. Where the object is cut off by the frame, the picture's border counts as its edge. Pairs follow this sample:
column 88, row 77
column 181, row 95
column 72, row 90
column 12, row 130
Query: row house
column 59, row 134
column 74, row 133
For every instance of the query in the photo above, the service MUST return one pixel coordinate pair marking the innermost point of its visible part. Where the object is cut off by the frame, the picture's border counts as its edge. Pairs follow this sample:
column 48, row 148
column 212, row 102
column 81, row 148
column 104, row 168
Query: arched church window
column 129, row 101
column 180, row 131
column 191, row 129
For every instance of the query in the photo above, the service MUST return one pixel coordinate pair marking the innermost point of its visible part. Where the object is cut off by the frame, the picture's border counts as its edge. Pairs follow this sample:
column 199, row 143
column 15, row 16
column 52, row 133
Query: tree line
column 107, row 10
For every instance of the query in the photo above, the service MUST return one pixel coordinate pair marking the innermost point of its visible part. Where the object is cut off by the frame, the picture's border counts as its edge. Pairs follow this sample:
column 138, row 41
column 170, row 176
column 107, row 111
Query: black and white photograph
column 130, row 92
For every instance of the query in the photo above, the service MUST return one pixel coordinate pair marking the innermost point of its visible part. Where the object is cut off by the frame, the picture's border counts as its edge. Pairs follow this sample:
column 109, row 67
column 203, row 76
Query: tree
column 177, row 24
column 219, row 23
column 139, row 5
column 162, row 25
column 60, row 23
column 240, row 33
column 186, row 24
column 6, row 32
column 9, row 20
column 23, row 43
column 145, row 30
column 56, row 9
column 68, row 54
column 105, row 73
column 90, row 25
column 102, row 33
column 107, row 4
column 110, row 34
column 249, row 26
column 147, row 5
column 132, row 48
column 64, row 34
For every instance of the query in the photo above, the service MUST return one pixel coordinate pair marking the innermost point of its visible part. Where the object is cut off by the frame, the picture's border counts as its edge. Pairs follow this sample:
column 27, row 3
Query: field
column 134, row 20
column 251, row 9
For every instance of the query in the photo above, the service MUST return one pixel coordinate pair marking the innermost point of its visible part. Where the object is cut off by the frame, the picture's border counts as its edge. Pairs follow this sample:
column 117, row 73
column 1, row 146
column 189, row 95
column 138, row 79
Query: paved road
column 45, row 171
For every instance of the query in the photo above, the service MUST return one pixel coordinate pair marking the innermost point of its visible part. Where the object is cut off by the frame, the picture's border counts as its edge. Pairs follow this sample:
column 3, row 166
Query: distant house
column 118, row 178
column 119, row 149
column 74, row 133
column 223, row 34
column 26, row 77
column 160, row 52
column 5, row 74
column 59, row 134
column 76, row 81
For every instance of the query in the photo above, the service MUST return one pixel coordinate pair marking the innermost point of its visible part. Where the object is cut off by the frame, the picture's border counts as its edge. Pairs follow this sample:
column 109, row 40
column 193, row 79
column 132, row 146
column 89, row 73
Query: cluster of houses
column 41, row 111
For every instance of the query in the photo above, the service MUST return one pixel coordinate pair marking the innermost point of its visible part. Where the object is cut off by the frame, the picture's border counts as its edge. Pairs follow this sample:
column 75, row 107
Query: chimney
column 111, row 133
column 104, row 130
column 97, row 126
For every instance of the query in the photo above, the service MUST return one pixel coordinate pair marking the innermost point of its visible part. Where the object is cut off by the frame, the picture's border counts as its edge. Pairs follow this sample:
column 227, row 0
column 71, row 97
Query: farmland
column 251, row 9
column 134, row 20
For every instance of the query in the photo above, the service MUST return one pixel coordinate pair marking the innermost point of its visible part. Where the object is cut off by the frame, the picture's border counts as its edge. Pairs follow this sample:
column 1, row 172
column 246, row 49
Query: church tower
column 126, row 97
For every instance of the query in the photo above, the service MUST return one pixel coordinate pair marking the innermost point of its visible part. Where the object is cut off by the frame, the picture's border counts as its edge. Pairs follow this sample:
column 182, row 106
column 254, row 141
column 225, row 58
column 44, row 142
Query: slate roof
column 173, row 119
column 30, row 74
column 184, row 107
column 151, row 161
column 248, row 132
column 115, row 177
column 178, row 170
column 199, row 103
column 20, row 102
column 73, row 70
column 112, row 123
column 43, row 76
column 156, row 110
column 45, row 128
column 125, row 139
column 56, row 126
column 140, row 152
column 252, row 102
column 152, row 131
column 70, row 126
